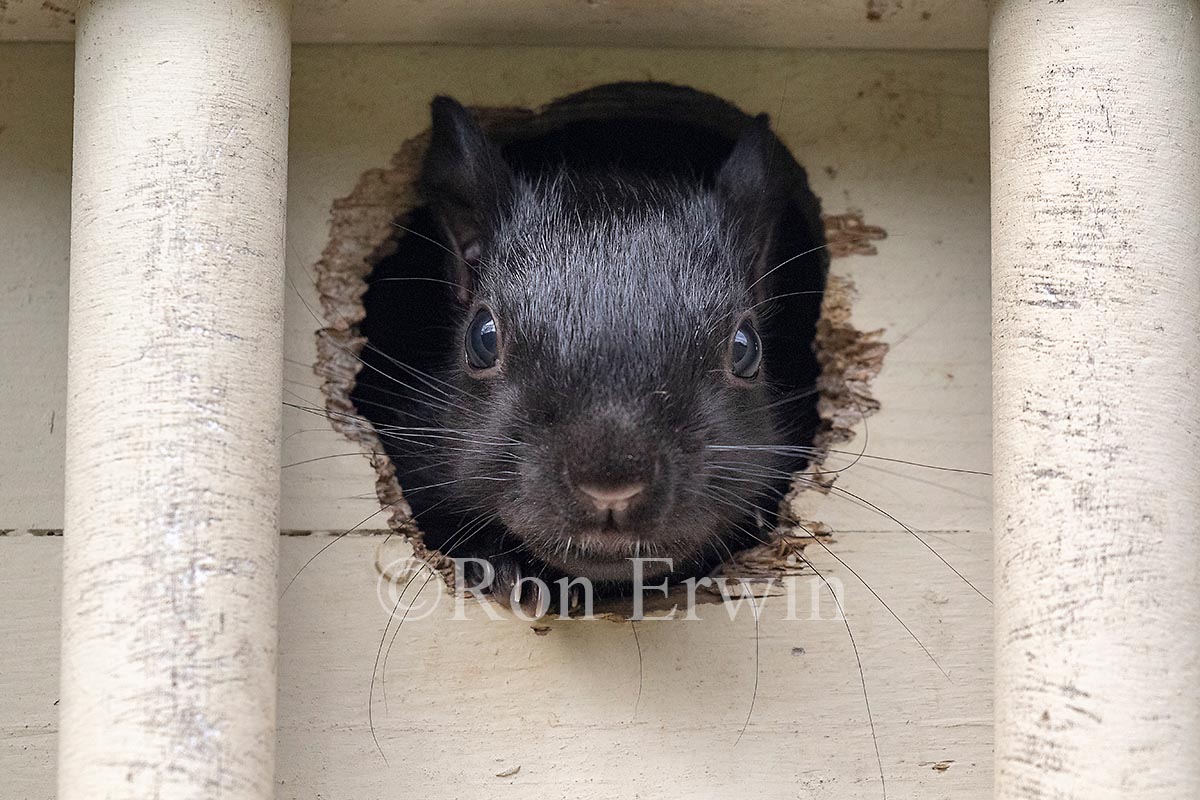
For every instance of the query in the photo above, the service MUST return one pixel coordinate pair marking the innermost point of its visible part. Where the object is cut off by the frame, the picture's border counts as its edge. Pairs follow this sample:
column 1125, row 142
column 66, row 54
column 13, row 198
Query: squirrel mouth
column 608, row 539
column 603, row 555
column 609, row 543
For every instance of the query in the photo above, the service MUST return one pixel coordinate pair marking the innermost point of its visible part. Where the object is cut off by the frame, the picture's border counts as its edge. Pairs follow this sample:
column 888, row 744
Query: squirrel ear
column 467, row 183
column 744, row 175
column 750, row 184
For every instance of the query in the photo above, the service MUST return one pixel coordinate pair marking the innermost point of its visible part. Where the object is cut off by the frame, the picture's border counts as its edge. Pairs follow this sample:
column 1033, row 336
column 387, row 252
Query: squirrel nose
column 611, row 498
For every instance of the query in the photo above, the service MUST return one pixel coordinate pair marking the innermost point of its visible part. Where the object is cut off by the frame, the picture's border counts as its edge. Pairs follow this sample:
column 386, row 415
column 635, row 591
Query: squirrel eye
column 482, row 341
column 745, row 351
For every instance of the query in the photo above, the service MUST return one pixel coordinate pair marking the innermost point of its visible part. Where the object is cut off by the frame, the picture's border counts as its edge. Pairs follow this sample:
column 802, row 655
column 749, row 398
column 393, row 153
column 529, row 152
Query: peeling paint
column 847, row 234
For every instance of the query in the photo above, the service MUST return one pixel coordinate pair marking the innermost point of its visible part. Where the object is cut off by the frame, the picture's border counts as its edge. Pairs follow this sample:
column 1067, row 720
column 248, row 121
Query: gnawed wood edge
column 363, row 229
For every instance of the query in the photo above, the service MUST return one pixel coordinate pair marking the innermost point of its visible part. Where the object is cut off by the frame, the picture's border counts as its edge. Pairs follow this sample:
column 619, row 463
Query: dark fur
column 618, row 267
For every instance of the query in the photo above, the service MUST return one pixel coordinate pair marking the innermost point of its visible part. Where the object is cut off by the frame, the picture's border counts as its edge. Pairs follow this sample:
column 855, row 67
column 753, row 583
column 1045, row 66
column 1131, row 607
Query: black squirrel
column 594, row 341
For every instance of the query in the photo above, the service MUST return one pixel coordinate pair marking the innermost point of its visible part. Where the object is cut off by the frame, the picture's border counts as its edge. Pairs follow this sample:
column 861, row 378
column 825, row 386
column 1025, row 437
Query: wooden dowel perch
column 177, row 258
column 1095, row 112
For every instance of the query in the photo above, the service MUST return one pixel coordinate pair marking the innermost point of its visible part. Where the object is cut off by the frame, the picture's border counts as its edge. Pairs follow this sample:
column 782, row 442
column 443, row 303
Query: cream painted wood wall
column 901, row 136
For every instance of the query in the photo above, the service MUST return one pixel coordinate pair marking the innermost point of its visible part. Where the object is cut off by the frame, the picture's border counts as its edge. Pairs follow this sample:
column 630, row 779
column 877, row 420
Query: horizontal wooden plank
column 575, row 707
column 890, row 24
